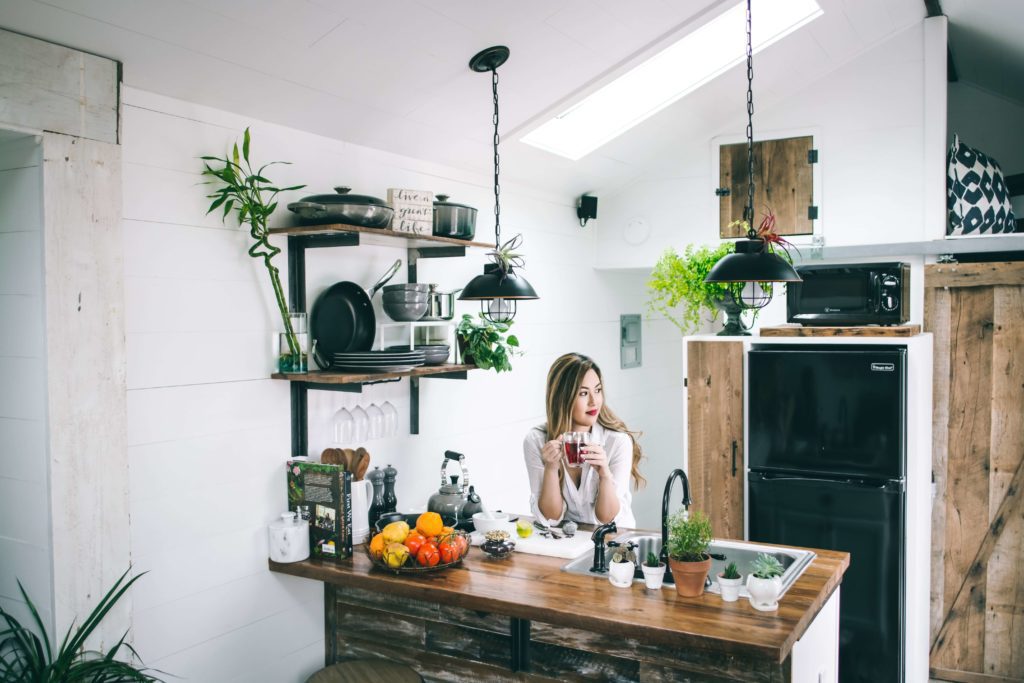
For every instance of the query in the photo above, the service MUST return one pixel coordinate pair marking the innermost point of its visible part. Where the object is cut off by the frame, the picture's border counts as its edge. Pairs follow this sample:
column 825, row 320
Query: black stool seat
column 366, row 671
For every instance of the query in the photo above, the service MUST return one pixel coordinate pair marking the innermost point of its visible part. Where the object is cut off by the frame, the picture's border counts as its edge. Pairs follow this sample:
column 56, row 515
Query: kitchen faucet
column 600, row 566
column 676, row 474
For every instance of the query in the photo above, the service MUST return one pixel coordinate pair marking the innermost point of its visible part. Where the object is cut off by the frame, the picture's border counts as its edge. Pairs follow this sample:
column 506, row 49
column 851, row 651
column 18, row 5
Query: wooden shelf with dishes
column 383, row 236
column 449, row 370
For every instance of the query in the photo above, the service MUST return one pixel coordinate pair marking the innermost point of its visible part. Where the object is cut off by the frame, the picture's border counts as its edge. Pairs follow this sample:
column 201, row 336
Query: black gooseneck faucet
column 676, row 474
column 600, row 566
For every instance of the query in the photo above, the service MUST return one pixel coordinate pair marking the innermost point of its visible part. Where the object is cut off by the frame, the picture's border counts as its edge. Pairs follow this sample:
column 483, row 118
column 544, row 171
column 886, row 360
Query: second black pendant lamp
column 750, row 270
column 499, row 288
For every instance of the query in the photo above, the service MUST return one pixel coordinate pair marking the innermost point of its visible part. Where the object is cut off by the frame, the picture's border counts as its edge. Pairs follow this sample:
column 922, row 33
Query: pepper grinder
column 390, row 499
column 376, row 478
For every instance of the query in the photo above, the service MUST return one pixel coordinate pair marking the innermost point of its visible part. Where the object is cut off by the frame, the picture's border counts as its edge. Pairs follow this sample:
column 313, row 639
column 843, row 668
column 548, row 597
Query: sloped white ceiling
column 986, row 38
column 394, row 76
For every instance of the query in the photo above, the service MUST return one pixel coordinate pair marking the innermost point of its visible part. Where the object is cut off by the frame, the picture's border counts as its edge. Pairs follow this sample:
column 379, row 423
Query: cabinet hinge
column 812, row 213
column 684, row 382
column 812, row 156
column 722, row 192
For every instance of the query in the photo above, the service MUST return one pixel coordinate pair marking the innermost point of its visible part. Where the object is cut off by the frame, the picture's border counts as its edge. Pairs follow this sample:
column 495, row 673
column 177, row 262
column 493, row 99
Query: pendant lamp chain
column 748, row 210
column 497, row 164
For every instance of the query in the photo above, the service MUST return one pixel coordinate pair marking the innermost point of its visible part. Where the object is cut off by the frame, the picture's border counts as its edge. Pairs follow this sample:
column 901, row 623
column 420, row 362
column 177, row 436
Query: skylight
column 675, row 72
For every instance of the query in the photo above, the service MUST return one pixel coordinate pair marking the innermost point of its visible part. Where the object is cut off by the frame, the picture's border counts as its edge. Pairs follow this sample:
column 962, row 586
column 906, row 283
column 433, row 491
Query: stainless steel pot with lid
column 440, row 305
column 454, row 220
column 343, row 207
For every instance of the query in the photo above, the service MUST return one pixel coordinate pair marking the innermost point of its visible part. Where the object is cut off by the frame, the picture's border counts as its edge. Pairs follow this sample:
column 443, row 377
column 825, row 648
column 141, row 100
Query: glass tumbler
column 361, row 424
column 342, row 427
column 293, row 351
column 376, row 419
column 390, row 419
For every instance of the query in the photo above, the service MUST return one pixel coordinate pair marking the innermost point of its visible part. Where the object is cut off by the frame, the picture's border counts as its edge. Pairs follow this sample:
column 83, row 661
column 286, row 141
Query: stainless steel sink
column 722, row 553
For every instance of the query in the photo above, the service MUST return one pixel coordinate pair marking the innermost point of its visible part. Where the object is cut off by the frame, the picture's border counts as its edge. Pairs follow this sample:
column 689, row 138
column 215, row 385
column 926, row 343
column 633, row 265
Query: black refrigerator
column 827, row 469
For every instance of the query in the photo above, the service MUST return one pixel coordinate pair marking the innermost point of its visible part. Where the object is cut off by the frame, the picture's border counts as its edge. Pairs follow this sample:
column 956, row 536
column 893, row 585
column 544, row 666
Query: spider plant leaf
column 245, row 144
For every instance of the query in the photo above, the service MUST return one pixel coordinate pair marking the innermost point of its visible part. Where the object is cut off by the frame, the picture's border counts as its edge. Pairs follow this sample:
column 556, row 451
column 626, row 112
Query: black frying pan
column 343, row 319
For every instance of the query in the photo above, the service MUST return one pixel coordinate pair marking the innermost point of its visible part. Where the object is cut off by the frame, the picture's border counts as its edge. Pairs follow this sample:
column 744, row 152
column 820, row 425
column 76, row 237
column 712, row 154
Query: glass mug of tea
column 572, row 442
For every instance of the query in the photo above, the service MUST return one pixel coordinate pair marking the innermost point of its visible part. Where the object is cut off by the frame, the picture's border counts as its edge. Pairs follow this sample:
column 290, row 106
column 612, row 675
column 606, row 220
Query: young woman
column 599, row 491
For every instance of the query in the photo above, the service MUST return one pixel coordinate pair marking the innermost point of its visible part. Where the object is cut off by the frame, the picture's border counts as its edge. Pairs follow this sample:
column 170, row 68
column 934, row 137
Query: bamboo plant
column 253, row 198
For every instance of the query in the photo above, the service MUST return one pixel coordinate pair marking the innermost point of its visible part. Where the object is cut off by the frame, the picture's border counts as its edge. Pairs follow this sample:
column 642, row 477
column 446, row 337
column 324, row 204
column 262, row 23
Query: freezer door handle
column 733, row 458
column 894, row 485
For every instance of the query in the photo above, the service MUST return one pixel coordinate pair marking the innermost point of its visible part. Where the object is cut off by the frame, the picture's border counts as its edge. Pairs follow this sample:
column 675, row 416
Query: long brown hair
column 564, row 380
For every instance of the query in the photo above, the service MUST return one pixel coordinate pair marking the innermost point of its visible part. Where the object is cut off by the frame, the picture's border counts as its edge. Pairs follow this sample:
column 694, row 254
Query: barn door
column 783, row 182
column 976, row 312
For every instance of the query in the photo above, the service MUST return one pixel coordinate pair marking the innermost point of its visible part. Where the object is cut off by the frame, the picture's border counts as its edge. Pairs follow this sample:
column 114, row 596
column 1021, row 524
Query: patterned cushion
column 976, row 196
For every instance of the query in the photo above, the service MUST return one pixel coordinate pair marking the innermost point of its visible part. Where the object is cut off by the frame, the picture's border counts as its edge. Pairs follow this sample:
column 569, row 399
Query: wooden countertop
column 534, row 587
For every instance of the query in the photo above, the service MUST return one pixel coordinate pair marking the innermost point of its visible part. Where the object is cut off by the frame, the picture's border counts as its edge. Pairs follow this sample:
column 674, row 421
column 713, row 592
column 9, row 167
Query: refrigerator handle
column 734, row 458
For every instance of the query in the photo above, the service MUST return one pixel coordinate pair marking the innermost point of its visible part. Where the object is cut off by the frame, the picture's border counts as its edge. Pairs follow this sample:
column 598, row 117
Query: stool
column 366, row 671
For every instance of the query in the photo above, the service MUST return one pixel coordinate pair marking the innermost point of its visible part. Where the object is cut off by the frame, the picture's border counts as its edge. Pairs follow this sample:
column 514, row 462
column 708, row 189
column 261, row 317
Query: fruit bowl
column 429, row 546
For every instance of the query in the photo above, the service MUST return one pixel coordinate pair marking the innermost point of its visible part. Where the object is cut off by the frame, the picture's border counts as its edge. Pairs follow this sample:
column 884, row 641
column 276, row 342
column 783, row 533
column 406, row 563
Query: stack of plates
column 435, row 354
column 377, row 361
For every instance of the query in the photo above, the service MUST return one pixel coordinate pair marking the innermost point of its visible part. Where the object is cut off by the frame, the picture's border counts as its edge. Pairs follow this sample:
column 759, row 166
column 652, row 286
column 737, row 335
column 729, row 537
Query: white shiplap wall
column 24, row 478
column 208, row 432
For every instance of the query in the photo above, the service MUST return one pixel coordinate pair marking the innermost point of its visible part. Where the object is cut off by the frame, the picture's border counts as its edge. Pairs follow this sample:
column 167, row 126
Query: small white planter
column 764, row 593
column 621, row 574
column 730, row 588
column 653, row 576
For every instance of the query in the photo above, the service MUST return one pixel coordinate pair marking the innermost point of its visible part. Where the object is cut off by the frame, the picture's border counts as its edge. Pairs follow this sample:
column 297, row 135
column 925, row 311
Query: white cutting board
column 535, row 544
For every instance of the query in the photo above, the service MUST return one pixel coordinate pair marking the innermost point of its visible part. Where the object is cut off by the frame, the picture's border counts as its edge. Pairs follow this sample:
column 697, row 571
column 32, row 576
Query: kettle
column 455, row 499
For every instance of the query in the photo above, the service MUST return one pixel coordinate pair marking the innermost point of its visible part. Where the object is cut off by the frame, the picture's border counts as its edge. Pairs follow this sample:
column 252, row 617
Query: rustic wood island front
column 523, row 619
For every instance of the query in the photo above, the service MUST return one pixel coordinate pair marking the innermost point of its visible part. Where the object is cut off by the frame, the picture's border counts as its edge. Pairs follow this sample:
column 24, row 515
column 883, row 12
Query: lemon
column 395, row 532
column 395, row 555
column 524, row 528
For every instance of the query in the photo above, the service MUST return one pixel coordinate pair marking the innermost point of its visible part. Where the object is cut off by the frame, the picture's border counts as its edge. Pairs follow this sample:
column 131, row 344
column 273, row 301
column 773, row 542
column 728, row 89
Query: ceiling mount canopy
column 749, row 271
column 499, row 288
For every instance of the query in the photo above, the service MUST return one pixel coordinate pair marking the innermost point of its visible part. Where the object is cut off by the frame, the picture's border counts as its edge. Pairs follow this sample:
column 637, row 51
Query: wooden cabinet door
column 714, row 381
column 976, row 313
column 783, row 182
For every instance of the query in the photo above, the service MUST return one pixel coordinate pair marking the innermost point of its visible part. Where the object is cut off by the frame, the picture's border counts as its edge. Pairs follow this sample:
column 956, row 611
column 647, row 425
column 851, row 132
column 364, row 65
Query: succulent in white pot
column 765, row 583
column 654, row 571
column 729, row 583
column 622, row 567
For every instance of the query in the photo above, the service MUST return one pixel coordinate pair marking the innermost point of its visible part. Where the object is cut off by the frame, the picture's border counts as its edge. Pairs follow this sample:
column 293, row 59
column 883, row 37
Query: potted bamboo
column 688, row 541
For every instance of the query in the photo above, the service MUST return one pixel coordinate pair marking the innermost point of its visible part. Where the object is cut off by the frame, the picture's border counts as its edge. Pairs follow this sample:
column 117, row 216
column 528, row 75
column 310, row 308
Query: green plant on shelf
column 485, row 344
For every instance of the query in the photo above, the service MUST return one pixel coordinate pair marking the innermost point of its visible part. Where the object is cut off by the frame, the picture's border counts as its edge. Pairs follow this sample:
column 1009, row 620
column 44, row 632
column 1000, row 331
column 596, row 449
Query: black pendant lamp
column 499, row 288
column 750, row 270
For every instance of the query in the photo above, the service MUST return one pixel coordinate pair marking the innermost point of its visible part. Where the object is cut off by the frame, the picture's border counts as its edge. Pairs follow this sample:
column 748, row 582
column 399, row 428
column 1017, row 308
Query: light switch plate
column 630, row 337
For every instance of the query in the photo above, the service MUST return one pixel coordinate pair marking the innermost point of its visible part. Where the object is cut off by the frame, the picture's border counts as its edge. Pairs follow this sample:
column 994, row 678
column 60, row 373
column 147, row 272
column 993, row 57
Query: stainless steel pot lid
column 442, row 200
column 343, row 197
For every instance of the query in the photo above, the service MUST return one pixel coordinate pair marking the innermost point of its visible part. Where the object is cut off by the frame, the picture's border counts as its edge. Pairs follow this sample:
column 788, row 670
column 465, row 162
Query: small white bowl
column 497, row 522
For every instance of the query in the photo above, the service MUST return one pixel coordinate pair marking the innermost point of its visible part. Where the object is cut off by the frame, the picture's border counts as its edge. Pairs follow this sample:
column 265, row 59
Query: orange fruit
column 377, row 546
column 446, row 531
column 429, row 524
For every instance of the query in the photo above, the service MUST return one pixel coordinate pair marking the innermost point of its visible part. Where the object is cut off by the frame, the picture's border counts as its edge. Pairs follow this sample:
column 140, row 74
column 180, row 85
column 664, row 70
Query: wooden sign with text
column 414, row 210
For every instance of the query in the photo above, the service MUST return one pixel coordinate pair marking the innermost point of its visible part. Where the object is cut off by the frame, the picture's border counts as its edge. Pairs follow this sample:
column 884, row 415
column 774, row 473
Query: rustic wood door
column 783, row 182
column 714, row 380
column 976, row 312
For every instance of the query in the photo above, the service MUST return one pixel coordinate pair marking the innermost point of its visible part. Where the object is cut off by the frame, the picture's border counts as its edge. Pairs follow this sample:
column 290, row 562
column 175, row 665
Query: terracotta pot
column 690, row 576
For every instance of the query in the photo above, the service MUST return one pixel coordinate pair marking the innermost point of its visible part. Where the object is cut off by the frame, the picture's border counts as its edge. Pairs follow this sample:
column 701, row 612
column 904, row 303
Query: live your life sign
column 414, row 210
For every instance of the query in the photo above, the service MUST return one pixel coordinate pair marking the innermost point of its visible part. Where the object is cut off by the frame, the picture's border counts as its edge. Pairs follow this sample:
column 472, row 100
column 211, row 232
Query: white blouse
column 578, row 503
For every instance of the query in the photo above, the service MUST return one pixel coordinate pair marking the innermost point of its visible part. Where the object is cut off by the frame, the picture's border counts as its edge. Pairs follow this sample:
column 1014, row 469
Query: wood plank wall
column 976, row 312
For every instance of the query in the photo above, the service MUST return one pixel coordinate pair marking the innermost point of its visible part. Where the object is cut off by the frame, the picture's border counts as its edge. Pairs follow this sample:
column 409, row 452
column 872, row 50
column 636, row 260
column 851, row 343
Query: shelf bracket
column 414, row 405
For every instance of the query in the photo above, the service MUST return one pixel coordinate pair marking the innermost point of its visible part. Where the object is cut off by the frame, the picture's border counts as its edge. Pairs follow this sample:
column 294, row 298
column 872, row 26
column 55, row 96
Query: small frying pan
column 343, row 319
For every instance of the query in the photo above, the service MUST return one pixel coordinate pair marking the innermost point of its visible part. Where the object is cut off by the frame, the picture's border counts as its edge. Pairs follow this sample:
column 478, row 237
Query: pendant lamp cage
column 499, row 288
column 749, row 272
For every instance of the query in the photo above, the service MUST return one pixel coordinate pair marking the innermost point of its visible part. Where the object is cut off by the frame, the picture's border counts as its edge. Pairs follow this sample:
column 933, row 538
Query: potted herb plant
column 26, row 656
column 654, row 571
column 485, row 344
column 765, row 582
column 688, row 539
column 729, row 582
column 253, row 198
column 622, row 566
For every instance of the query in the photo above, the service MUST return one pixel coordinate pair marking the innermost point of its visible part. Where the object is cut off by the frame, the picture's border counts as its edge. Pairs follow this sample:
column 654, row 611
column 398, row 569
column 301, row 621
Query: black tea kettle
column 455, row 499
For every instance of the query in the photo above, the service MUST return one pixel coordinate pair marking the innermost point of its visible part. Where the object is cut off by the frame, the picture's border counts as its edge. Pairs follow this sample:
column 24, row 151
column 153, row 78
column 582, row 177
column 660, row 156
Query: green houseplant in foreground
column 485, row 344
column 677, row 289
column 253, row 198
column 27, row 658
column 688, row 539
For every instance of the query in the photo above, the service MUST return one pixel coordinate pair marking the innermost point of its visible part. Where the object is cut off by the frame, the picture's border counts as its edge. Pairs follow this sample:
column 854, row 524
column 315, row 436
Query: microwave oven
column 850, row 294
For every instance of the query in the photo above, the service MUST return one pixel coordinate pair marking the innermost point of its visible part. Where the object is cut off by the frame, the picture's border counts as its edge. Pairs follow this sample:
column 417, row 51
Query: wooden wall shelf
column 329, row 377
column 862, row 331
column 378, row 235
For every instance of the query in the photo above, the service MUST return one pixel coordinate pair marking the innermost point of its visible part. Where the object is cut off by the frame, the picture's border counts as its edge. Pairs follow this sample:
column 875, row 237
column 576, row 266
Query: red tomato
column 428, row 555
column 449, row 549
column 414, row 541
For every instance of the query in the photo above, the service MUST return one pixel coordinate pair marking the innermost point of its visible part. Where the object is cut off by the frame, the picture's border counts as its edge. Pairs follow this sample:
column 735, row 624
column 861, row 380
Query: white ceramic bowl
column 499, row 522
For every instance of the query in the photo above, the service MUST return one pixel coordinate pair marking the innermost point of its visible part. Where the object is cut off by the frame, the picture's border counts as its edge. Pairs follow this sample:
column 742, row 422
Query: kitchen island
column 523, row 619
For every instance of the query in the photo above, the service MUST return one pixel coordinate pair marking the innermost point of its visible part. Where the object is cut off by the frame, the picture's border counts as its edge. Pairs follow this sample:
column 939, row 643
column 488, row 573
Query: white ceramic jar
column 289, row 538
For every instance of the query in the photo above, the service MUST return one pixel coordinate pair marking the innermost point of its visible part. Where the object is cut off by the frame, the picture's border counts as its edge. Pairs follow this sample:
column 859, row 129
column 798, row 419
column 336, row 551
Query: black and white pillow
column 976, row 197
